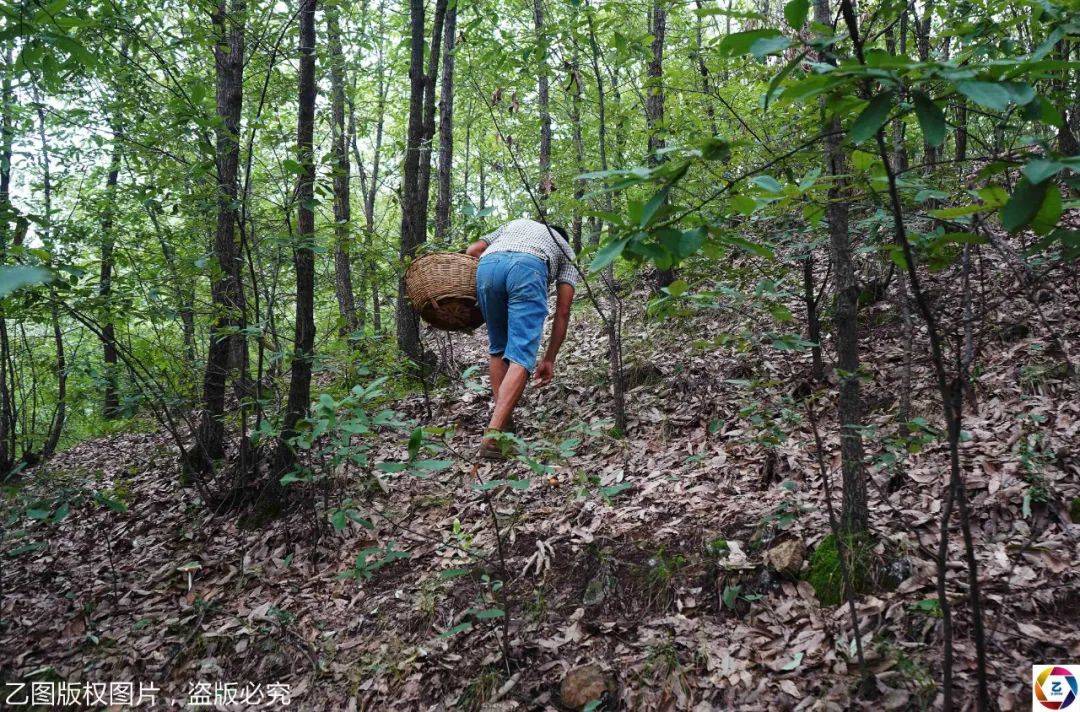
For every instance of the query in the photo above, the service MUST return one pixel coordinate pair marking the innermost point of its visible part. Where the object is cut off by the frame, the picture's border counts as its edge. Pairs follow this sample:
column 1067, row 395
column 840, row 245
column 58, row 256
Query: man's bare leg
column 510, row 390
column 497, row 371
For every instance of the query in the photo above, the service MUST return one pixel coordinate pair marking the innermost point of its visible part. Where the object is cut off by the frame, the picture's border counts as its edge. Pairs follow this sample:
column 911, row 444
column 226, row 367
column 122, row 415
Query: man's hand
column 544, row 372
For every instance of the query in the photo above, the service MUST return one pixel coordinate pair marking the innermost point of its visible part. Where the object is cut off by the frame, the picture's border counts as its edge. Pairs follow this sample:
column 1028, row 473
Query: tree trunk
column 813, row 324
column 613, row 324
column 922, row 29
column 414, row 187
column 574, row 88
column 654, row 106
column 601, row 109
column 343, row 286
column 7, row 415
column 111, row 398
column 961, row 133
column 899, row 151
column 370, row 187
column 56, row 423
column 1068, row 145
column 703, row 70
column 303, row 253
column 854, row 517
column 446, row 130
column 546, row 184
column 226, row 290
column 430, row 77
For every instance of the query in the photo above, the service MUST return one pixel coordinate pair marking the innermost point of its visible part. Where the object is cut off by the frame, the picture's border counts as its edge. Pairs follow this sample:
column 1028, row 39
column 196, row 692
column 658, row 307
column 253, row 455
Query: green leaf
column 1040, row 169
column 355, row 516
column 37, row 514
column 994, row 196
column 607, row 254
column 730, row 595
column 459, row 628
column 872, row 118
column 931, row 119
column 415, row 440
column 432, row 465
column 289, row 477
column 677, row 288
column 759, row 250
column 1049, row 212
column 653, row 205
column 716, row 149
column 989, row 94
column 964, row 238
column 77, row 52
column 689, row 242
column 765, row 46
column 517, row 484
column 795, row 662
column 743, row 204
column 489, row 614
column 958, row 211
column 740, row 42
column 19, row 276
column 61, row 513
column 114, row 505
column 930, row 194
column 783, row 74
column 862, row 161
column 448, row 574
column 1020, row 92
column 612, row 490
column 768, row 183
column 1023, row 205
column 795, row 13
column 339, row 520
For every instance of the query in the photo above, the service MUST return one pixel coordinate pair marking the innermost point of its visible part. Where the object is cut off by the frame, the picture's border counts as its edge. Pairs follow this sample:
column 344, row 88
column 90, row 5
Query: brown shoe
column 490, row 450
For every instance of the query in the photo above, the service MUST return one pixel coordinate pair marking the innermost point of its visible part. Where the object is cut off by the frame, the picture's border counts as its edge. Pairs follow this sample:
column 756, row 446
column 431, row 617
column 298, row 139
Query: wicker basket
column 442, row 287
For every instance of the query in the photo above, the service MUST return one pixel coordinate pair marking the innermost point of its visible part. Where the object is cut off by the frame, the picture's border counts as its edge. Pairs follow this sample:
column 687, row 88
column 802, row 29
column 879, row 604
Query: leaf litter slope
column 640, row 554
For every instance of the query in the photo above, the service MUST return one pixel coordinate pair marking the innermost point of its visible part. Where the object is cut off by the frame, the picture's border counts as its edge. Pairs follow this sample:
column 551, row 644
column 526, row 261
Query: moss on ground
column 825, row 573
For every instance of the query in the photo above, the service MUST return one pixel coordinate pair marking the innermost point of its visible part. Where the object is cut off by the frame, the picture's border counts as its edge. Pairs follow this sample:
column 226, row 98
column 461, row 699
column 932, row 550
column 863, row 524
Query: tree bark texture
column 546, row 184
column 226, row 289
column 853, row 516
column 343, row 283
column 654, row 104
column 303, row 254
column 446, row 130
column 416, row 172
column 408, row 324
column 110, row 395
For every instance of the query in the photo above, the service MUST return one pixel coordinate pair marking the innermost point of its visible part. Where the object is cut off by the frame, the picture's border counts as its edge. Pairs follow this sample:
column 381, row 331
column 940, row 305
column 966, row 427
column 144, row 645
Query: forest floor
column 642, row 555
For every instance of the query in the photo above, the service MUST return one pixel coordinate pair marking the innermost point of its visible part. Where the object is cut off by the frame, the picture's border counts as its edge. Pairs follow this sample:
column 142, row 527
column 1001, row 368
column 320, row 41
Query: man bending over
column 518, row 263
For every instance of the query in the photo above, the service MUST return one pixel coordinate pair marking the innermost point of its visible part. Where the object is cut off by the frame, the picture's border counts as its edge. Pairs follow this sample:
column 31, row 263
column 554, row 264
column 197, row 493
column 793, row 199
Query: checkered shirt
column 531, row 237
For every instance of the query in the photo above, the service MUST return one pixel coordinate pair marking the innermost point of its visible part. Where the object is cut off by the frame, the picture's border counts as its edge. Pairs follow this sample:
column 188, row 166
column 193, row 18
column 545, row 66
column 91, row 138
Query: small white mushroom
column 189, row 569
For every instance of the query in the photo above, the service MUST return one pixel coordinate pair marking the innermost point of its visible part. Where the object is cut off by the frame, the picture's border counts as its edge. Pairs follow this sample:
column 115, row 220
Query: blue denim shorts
column 512, row 290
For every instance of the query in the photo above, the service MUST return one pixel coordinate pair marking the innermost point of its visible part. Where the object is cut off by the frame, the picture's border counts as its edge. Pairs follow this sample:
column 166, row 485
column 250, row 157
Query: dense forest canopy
column 207, row 209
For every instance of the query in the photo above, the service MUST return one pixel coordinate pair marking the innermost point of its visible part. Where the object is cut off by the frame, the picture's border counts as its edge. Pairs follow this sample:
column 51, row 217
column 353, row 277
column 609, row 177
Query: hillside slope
column 642, row 554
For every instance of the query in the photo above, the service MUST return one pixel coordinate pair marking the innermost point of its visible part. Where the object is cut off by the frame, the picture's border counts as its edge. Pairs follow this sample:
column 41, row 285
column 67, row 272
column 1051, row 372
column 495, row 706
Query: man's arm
column 564, row 299
column 476, row 249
